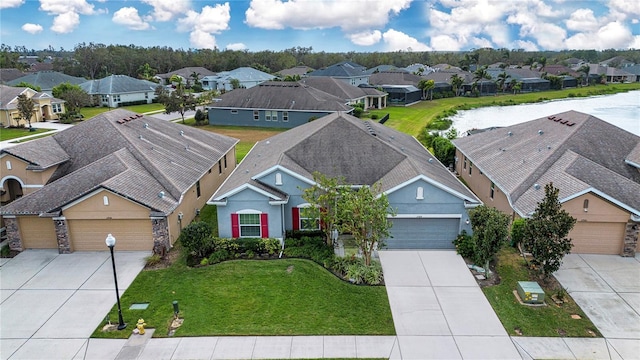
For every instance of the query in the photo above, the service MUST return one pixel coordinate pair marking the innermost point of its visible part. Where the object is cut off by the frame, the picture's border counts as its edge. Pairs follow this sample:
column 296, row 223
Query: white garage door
column 423, row 233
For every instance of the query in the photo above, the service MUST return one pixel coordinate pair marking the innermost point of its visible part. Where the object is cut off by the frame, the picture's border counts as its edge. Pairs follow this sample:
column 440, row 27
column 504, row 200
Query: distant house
column 120, row 90
column 634, row 70
column 7, row 75
column 610, row 74
column 47, row 80
column 46, row 106
column 349, row 72
column 419, row 69
column 300, row 70
column 617, row 62
column 139, row 178
column 185, row 74
column 394, row 77
column 402, row 94
column 280, row 104
column 384, row 68
column 530, row 80
column 368, row 97
column 594, row 164
column 263, row 197
column 246, row 77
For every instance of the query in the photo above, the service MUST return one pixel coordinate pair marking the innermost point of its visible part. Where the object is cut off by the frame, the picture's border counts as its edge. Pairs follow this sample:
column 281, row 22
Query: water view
column 622, row 110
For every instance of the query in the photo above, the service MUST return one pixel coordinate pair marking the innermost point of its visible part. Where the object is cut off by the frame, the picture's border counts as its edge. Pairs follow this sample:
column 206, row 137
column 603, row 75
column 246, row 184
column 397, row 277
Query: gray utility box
column 530, row 292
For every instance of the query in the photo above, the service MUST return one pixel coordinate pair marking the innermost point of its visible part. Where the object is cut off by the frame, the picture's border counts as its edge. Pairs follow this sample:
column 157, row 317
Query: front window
column 198, row 189
column 249, row 225
column 285, row 116
column 493, row 190
column 309, row 219
column 256, row 115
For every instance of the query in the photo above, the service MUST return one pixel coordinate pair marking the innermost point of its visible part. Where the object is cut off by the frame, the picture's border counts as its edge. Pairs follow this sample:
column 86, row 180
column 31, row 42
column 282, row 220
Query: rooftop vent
column 146, row 125
column 509, row 133
column 430, row 160
column 540, row 132
column 181, row 133
column 369, row 128
column 536, row 186
column 161, row 194
column 139, row 136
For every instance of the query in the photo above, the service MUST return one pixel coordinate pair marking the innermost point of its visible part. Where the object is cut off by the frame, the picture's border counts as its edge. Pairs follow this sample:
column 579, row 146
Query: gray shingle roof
column 589, row 153
column 341, row 89
column 46, row 80
column 341, row 70
column 10, row 74
column 394, row 78
column 8, row 94
column 187, row 71
column 117, row 84
column 281, row 95
column 340, row 145
column 245, row 74
column 137, row 158
column 300, row 70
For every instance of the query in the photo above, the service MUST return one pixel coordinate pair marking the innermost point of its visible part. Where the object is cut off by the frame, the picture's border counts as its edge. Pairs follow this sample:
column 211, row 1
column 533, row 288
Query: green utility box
column 530, row 292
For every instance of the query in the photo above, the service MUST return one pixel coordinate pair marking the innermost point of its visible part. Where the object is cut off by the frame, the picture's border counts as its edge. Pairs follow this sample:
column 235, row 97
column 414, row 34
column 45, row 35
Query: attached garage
column 421, row 233
column 89, row 235
column 37, row 233
column 597, row 238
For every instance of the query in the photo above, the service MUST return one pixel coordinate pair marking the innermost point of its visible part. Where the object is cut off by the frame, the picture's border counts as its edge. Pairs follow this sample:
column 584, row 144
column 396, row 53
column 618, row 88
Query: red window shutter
column 264, row 224
column 235, row 226
column 295, row 212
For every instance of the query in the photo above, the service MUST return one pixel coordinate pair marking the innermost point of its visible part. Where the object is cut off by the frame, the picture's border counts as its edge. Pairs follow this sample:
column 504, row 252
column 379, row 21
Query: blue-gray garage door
column 423, row 233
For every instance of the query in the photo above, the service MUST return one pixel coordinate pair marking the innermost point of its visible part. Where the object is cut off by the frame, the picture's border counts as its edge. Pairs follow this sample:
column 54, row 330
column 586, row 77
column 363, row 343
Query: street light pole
column 111, row 242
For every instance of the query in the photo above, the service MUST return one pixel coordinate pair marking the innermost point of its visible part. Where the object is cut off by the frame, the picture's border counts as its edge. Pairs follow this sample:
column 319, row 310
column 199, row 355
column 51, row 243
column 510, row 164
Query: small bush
column 373, row 274
column 465, row 245
column 149, row 260
column 297, row 234
column 196, row 238
column 270, row 246
column 5, row 252
column 204, row 262
column 355, row 273
column 374, row 116
column 219, row 256
column 517, row 231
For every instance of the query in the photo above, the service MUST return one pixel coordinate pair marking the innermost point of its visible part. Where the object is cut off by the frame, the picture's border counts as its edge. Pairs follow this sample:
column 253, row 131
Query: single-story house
column 187, row 75
column 611, row 74
column 47, row 80
column 367, row 96
column 263, row 196
column 594, row 164
column 139, row 178
column 347, row 71
column 246, row 77
column 46, row 106
column 300, row 70
column 120, row 90
column 282, row 104
column 402, row 94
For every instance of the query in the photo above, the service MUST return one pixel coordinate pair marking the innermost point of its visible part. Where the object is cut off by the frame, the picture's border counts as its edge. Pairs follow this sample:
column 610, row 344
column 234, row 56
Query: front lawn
column 14, row 133
column 254, row 297
column 522, row 320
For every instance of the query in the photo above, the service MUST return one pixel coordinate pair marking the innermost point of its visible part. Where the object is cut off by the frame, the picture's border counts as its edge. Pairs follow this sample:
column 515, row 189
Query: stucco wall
column 598, row 210
column 30, row 180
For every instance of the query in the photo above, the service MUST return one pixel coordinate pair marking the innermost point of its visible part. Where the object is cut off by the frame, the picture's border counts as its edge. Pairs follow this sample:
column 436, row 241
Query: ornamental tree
column 490, row 231
column 546, row 233
column 323, row 196
column 25, row 108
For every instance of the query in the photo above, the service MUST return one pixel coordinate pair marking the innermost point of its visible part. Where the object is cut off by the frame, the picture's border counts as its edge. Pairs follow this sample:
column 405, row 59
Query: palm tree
column 427, row 87
column 517, row 86
column 481, row 74
column 502, row 79
column 456, row 83
column 585, row 69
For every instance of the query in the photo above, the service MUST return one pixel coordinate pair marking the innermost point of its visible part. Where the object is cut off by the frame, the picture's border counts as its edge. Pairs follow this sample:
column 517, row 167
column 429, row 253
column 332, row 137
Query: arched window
column 278, row 179
column 420, row 193
column 585, row 205
column 105, row 200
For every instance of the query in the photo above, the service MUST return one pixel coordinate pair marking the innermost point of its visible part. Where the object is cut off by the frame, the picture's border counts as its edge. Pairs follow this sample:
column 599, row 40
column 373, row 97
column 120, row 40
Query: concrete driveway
column 51, row 303
column 439, row 310
column 607, row 288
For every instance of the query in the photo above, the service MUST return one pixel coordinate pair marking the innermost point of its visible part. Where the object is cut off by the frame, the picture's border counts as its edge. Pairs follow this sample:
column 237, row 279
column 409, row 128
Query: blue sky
column 331, row 26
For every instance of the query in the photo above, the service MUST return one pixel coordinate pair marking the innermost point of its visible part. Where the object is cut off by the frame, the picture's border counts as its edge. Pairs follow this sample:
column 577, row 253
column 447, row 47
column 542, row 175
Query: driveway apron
column 439, row 310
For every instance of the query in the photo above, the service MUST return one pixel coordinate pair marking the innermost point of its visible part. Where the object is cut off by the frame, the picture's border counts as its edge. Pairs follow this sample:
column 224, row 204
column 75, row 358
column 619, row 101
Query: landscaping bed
column 554, row 319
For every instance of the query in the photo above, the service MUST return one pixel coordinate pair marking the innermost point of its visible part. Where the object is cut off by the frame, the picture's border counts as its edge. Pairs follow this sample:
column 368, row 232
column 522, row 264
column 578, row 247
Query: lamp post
column 111, row 242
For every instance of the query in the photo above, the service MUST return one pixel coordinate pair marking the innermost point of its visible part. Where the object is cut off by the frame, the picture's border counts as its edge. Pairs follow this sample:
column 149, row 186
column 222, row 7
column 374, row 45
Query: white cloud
column 613, row 35
column 212, row 20
column 202, row 40
column 396, row 40
column 525, row 45
column 6, row 4
column 32, row 28
column 582, row 20
column 635, row 44
column 165, row 10
column 549, row 36
column 366, row 38
column 128, row 16
column 631, row 7
column 445, row 43
column 322, row 14
column 65, row 23
column 236, row 46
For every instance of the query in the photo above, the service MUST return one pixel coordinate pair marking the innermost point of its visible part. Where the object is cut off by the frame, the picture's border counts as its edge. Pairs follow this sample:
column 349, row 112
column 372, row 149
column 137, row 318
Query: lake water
column 622, row 110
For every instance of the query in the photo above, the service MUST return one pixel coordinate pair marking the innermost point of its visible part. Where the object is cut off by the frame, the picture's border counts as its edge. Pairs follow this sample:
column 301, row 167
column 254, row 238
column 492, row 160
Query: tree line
column 95, row 60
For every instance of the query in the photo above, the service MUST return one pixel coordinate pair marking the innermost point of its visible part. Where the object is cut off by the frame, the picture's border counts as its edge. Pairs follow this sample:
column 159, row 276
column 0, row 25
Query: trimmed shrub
column 465, row 245
column 219, row 256
column 297, row 234
column 196, row 238
column 517, row 231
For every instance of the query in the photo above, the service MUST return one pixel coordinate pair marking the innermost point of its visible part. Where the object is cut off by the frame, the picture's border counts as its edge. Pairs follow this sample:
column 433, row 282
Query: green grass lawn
column 255, row 297
column 550, row 320
column 14, row 133
column 414, row 119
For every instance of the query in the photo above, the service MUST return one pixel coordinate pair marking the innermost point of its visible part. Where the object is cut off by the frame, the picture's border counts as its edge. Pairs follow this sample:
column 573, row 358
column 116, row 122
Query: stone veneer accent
column 13, row 234
column 631, row 239
column 160, row 230
column 62, row 235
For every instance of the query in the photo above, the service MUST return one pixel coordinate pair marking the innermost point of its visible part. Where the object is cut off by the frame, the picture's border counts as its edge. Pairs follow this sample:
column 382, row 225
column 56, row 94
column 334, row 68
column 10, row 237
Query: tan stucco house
column 139, row 178
column 594, row 164
column 46, row 106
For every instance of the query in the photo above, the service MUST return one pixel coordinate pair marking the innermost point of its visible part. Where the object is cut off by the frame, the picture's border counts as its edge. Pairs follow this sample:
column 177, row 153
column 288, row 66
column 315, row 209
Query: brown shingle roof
column 137, row 158
column 339, row 88
column 578, row 152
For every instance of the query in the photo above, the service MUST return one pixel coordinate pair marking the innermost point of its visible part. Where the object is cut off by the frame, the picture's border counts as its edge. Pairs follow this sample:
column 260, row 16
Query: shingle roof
column 588, row 153
column 340, row 145
column 338, row 88
column 9, row 94
column 187, row 71
column 300, row 70
column 382, row 68
column 117, row 84
column 245, row 74
column 341, row 70
column 137, row 158
column 394, row 78
column 281, row 95
column 46, row 80
column 444, row 76
column 7, row 75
